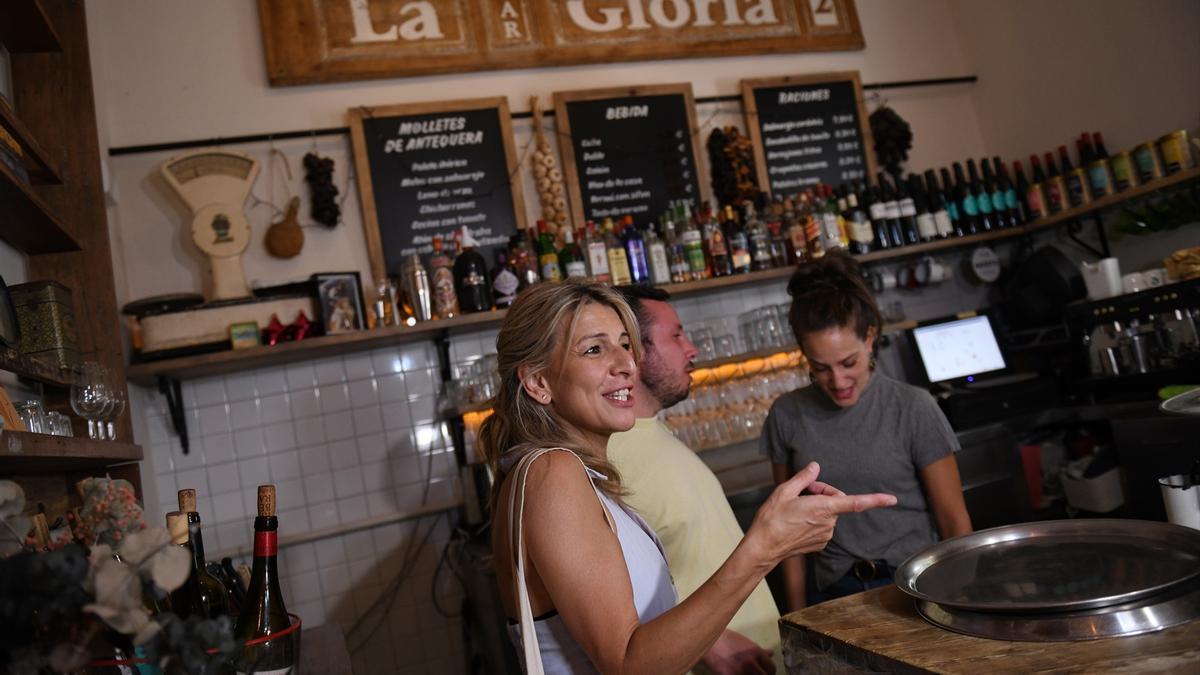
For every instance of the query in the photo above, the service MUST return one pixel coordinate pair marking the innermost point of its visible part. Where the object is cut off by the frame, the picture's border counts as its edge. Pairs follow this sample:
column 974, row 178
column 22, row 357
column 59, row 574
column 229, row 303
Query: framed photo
column 340, row 299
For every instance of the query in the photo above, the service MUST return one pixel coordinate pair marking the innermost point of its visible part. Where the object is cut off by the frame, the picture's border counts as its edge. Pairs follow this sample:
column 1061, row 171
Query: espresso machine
column 1150, row 338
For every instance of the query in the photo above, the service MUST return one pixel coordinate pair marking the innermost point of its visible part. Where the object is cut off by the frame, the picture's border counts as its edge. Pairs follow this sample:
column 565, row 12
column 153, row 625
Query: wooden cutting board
column 880, row 631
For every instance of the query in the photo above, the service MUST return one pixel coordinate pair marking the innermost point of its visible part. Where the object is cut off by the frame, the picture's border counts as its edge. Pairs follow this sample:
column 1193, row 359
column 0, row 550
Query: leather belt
column 869, row 570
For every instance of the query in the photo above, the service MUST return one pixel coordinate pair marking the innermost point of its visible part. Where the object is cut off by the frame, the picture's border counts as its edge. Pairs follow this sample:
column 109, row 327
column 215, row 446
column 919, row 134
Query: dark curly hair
column 829, row 292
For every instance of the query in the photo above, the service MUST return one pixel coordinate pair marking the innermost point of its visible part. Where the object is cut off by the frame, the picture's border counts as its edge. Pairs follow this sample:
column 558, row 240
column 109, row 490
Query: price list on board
column 810, row 133
column 631, row 155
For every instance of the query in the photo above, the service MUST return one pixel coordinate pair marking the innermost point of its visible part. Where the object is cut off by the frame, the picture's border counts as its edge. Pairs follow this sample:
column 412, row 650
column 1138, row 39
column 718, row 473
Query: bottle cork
column 187, row 500
column 177, row 527
column 266, row 500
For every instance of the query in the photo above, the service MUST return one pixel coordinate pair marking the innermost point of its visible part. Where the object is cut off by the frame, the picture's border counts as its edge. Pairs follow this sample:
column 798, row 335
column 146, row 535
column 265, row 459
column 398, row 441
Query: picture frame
column 340, row 302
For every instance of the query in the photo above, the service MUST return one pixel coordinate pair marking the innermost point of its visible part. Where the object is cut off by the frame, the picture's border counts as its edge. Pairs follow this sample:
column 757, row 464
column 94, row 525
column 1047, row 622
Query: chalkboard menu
column 430, row 168
column 807, row 130
column 628, row 151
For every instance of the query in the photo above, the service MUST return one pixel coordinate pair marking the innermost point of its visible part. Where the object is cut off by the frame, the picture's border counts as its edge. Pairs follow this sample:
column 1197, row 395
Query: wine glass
column 89, row 394
column 113, row 412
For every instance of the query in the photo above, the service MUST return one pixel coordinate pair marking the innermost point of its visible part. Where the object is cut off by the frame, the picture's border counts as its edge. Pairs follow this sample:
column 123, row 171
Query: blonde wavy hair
column 533, row 335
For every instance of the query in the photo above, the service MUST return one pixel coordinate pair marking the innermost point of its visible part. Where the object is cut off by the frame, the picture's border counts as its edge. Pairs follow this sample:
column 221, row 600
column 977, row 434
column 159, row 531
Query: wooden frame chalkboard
column 827, row 97
column 578, row 135
column 433, row 154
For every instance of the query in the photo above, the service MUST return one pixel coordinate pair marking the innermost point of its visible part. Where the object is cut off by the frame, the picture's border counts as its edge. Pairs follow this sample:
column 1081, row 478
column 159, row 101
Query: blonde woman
column 567, row 550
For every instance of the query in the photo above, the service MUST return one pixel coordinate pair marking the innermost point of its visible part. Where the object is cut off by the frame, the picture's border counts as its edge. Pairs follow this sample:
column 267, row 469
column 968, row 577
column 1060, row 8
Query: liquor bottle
column 951, row 205
column 908, row 213
column 209, row 596
column 995, row 194
column 1076, row 179
column 738, row 242
column 618, row 260
column 676, row 255
column 1101, row 151
column 1055, row 188
column 418, row 290
column 547, row 254
column 793, row 231
column 1098, row 170
column 1014, row 205
column 833, row 226
column 891, row 208
column 693, row 247
column 445, row 302
column 470, row 275
column 265, row 613
column 523, row 261
column 983, row 199
column 1035, row 196
column 760, row 239
column 965, row 199
column 718, row 251
column 858, row 226
column 813, row 226
column 926, row 224
column 570, row 256
column 778, row 244
column 635, row 251
column 597, row 255
column 660, row 265
column 504, row 282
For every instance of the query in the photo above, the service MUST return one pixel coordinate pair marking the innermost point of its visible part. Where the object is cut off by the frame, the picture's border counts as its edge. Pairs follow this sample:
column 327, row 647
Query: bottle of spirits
column 209, row 598
column 504, row 282
column 718, row 251
column 677, row 256
column 445, row 302
column 597, row 255
column 547, row 254
column 738, row 241
column 470, row 275
column 693, row 247
column 814, row 225
column 523, row 261
column 570, row 256
column 618, row 259
column 635, row 251
column 660, row 266
column 760, row 238
column 793, row 231
column 265, row 613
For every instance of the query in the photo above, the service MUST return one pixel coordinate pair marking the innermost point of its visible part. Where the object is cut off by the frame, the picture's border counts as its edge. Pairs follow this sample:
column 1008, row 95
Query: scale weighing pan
column 1054, row 566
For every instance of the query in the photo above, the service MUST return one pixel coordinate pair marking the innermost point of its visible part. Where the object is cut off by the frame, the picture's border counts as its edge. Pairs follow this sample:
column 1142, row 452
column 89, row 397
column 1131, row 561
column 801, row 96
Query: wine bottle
column 891, row 207
column 265, row 613
column 995, row 193
column 1035, row 195
column 1013, row 205
column 859, row 226
column 966, row 201
column 983, row 200
column 1098, row 170
column 547, row 254
column 926, row 225
column 951, row 203
column 210, row 598
column 942, row 223
column 504, row 282
column 1055, row 188
column 570, row 256
column 878, row 215
column 1075, row 179
column 470, row 275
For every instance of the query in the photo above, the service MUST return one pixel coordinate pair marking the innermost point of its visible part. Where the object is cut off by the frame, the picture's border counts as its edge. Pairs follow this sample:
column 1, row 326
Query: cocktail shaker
column 418, row 289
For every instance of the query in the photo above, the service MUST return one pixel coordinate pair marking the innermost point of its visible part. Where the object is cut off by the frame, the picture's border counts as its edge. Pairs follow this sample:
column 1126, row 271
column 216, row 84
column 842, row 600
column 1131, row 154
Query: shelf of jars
column 223, row 362
column 25, row 452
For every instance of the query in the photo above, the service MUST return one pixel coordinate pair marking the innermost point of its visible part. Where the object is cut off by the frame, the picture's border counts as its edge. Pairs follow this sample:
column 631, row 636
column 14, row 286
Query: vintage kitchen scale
column 1059, row 580
column 215, row 185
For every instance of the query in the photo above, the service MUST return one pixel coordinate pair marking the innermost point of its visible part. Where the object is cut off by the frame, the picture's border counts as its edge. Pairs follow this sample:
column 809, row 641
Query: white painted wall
column 1051, row 70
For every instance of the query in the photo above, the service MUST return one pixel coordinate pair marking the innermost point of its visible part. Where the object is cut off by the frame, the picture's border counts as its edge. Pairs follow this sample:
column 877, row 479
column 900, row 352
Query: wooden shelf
column 41, row 171
column 34, row 369
column 220, row 363
column 27, row 29
column 23, row 452
column 1112, row 200
column 231, row 361
column 27, row 223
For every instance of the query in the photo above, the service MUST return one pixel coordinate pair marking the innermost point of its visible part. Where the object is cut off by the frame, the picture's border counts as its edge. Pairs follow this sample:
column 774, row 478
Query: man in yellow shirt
column 678, row 494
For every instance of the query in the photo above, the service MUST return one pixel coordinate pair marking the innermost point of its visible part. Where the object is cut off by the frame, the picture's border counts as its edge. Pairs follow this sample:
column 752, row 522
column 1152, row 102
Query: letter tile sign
column 309, row 41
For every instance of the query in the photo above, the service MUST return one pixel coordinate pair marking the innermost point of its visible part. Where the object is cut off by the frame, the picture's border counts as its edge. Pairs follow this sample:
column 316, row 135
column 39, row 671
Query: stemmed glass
column 90, row 395
column 113, row 410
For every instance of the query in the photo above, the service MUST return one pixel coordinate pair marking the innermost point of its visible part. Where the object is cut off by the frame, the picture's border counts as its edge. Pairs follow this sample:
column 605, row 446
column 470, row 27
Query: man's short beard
column 658, row 383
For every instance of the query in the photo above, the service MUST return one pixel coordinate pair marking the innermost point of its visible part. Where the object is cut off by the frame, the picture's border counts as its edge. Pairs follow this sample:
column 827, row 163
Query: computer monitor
column 958, row 349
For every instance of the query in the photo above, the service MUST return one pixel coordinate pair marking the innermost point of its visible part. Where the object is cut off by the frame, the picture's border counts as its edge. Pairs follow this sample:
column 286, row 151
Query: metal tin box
column 47, row 319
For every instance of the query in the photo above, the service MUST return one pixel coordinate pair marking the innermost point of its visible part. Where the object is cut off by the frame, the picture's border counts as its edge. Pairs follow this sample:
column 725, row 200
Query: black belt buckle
column 868, row 570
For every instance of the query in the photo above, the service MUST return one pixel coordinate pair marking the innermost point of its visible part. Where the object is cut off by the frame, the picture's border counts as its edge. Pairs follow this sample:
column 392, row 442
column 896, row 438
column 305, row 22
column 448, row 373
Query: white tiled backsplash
column 348, row 439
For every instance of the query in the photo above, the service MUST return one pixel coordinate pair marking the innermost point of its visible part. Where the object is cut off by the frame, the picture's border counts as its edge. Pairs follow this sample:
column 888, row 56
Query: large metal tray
column 1171, row 608
column 1053, row 566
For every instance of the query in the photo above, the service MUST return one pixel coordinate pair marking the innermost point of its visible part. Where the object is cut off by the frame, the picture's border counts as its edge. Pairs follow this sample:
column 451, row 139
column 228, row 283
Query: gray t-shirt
column 877, row 445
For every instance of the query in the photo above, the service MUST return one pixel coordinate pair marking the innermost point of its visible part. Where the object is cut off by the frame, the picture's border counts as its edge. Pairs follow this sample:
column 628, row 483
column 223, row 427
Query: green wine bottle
column 264, row 613
column 211, row 597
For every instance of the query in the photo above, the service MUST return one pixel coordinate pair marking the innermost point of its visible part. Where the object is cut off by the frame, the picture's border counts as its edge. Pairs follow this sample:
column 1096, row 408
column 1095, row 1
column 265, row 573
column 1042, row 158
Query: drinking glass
column 89, row 394
column 33, row 415
column 726, row 346
column 60, row 424
column 113, row 412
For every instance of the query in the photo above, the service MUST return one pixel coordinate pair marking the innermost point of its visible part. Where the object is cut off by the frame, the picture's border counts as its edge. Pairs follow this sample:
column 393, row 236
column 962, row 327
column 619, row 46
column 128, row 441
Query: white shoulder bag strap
column 516, row 513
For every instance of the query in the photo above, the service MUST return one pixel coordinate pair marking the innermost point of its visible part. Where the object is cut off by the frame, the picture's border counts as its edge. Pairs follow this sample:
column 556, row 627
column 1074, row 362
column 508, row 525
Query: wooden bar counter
column 880, row 631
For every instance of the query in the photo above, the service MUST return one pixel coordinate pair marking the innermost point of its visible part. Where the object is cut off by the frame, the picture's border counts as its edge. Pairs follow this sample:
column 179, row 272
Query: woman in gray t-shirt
column 867, row 431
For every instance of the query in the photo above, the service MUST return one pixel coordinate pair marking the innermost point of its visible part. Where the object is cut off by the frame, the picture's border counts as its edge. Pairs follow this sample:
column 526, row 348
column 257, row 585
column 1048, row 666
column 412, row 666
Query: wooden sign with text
column 331, row 40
